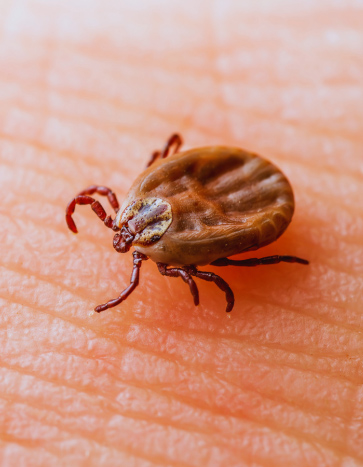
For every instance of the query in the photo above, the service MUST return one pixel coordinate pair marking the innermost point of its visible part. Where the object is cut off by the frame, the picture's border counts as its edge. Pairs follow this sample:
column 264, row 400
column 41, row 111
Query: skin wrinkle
column 43, row 173
column 42, row 310
column 191, row 402
column 70, row 154
column 355, row 416
column 127, row 451
column 207, row 373
column 234, row 340
column 350, row 417
column 183, row 399
column 67, row 154
column 56, row 284
column 112, row 409
column 157, row 354
column 296, row 434
column 81, row 50
column 216, row 74
column 261, row 299
column 246, row 389
column 357, row 329
column 134, row 416
column 196, row 96
column 20, row 370
column 51, row 174
column 89, row 95
column 271, row 346
column 172, row 70
column 351, row 328
column 291, row 433
column 30, row 444
column 313, row 128
column 228, row 339
column 8, row 439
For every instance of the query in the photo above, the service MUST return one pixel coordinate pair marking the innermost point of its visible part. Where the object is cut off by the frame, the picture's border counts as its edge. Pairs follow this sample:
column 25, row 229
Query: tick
column 193, row 208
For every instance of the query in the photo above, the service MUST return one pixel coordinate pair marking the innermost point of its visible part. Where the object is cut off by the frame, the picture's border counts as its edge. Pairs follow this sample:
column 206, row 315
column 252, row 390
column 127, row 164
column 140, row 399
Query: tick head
column 122, row 241
column 143, row 222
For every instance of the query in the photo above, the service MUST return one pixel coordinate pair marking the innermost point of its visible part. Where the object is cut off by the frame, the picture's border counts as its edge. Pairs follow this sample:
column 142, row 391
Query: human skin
column 87, row 91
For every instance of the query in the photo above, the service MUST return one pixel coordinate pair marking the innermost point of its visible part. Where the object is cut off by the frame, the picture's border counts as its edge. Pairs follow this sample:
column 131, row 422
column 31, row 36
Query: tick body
column 194, row 208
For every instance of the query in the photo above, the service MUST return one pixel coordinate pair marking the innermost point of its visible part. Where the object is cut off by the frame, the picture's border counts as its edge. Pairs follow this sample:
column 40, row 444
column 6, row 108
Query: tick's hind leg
column 96, row 206
column 185, row 275
column 259, row 261
column 134, row 282
column 221, row 283
column 171, row 147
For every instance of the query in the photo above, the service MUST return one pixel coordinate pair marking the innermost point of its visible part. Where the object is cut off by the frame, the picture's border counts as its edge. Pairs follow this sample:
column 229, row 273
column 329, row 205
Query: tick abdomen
column 224, row 201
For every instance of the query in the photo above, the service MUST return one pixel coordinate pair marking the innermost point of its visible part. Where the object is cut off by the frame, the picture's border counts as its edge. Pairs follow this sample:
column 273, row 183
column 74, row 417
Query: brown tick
column 195, row 208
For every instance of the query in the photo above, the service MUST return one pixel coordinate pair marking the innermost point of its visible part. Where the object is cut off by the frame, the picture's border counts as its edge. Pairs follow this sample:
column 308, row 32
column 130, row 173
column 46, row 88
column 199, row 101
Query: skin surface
column 88, row 91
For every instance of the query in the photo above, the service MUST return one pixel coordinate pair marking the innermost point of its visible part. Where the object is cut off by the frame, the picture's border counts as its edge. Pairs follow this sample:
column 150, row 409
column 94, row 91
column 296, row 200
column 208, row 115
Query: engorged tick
column 195, row 208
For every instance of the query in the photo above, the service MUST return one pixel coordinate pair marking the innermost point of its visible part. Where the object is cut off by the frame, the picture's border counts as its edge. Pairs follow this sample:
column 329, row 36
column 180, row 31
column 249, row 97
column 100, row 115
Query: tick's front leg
column 84, row 198
column 103, row 191
column 134, row 282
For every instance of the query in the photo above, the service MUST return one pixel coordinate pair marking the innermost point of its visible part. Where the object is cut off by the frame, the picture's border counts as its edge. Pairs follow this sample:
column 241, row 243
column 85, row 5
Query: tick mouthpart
column 122, row 241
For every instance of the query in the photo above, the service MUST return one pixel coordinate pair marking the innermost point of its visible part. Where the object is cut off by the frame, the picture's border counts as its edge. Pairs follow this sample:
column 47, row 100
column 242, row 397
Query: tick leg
column 96, row 207
column 153, row 158
column 179, row 272
column 83, row 198
column 134, row 282
column 103, row 191
column 221, row 283
column 259, row 261
column 171, row 147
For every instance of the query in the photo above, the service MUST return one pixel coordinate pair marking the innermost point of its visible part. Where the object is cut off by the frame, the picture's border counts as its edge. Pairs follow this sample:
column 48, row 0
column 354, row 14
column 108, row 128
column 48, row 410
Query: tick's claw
column 100, row 308
column 302, row 261
column 71, row 224
column 229, row 307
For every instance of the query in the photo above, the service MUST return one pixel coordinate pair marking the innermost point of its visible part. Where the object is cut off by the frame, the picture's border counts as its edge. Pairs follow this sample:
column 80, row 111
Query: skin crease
column 88, row 91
